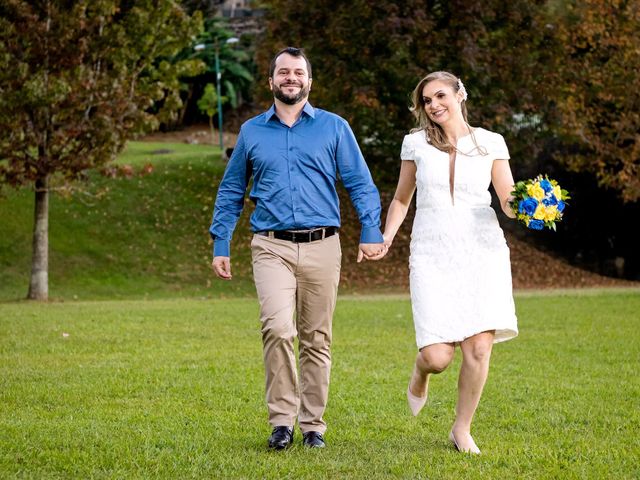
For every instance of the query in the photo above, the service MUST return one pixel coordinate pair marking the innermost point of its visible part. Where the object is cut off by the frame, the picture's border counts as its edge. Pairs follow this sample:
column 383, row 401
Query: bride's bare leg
column 431, row 359
column 476, row 352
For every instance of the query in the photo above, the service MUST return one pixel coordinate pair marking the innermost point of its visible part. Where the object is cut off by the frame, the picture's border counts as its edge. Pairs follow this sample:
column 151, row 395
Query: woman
column 460, row 276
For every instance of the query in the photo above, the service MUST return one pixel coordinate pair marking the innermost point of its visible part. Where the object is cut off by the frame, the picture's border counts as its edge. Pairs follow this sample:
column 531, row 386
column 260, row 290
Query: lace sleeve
column 408, row 151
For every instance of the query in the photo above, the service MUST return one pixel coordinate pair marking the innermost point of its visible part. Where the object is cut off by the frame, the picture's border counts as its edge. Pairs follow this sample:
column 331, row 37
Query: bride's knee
column 435, row 361
column 477, row 355
column 477, row 350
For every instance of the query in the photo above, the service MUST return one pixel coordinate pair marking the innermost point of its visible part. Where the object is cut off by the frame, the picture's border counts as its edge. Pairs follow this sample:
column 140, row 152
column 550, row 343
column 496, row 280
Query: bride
column 460, row 272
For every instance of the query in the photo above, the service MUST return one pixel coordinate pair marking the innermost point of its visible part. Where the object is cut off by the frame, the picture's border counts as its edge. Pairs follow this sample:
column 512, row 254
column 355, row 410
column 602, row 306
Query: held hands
column 222, row 267
column 374, row 251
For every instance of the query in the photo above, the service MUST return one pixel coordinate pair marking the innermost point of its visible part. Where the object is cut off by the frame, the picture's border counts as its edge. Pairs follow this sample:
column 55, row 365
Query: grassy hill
column 141, row 230
column 142, row 233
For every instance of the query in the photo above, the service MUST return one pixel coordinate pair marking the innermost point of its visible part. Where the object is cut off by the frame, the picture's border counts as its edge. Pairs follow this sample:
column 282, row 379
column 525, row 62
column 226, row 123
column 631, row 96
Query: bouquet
column 538, row 202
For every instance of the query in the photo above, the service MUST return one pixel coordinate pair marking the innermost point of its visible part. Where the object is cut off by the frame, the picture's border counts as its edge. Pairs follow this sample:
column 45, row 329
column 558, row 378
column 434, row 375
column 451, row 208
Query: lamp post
column 202, row 46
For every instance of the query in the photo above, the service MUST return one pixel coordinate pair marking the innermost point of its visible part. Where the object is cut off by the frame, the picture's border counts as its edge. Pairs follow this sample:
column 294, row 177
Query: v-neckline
column 452, row 167
column 452, row 175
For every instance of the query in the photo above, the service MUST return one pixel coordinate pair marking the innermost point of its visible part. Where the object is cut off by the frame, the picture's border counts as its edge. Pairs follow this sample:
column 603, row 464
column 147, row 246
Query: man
column 295, row 153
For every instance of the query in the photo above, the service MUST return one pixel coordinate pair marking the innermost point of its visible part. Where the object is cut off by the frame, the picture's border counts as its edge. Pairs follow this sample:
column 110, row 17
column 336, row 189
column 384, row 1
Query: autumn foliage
column 557, row 77
column 595, row 76
column 79, row 78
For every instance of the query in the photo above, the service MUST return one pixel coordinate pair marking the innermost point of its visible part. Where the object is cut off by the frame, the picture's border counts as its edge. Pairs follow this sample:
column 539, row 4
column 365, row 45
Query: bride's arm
column 502, row 180
column 401, row 200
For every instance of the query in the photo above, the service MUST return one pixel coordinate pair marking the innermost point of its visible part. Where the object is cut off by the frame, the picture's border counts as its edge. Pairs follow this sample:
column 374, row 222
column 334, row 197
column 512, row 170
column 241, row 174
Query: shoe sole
column 280, row 447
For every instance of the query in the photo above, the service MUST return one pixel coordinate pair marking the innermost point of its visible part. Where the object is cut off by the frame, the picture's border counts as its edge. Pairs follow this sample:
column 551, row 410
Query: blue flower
column 546, row 185
column 536, row 224
column 560, row 206
column 550, row 200
column 528, row 206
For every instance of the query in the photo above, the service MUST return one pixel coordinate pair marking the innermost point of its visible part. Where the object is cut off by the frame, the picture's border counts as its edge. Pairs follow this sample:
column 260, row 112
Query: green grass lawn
column 174, row 389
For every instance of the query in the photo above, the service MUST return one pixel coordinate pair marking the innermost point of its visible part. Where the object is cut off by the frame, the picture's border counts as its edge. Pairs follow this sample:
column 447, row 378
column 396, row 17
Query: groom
column 295, row 153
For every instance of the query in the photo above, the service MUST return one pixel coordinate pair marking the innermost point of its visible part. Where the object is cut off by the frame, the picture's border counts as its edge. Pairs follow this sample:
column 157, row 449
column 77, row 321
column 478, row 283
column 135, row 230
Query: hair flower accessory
column 462, row 90
column 538, row 202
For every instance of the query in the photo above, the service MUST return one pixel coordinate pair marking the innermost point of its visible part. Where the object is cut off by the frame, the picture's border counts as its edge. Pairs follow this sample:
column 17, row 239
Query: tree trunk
column 185, row 105
column 39, row 284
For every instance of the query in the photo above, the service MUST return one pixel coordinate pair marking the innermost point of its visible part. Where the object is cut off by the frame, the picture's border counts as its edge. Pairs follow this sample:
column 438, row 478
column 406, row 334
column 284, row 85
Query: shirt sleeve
column 357, row 179
column 230, row 199
column 408, row 150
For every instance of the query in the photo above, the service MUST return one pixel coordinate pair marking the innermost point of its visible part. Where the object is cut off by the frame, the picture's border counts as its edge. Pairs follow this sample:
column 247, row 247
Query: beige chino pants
column 300, row 278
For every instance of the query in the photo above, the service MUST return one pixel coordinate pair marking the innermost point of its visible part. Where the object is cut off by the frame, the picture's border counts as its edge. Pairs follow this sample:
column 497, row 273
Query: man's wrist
column 371, row 235
column 221, row 248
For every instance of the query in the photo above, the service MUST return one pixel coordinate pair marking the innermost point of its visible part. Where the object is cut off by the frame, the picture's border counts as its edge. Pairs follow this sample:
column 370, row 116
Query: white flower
column 462, row 90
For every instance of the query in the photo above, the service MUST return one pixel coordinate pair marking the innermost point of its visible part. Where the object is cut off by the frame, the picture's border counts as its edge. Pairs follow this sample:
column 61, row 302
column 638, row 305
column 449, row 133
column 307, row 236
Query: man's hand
column 222, row 267
column 371, row 251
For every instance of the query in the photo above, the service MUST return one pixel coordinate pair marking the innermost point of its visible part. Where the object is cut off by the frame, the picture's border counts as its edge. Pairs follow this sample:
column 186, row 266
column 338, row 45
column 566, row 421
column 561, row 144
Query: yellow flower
column 535, row 191
column 550, row 212
column 557, row 191
column 540, row 212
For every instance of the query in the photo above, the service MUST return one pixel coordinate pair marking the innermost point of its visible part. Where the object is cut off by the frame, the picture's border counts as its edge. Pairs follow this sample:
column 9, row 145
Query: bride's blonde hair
column 434, row 132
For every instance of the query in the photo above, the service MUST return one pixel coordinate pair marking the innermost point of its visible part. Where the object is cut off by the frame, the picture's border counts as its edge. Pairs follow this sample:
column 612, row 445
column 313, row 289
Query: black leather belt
column 297, row 236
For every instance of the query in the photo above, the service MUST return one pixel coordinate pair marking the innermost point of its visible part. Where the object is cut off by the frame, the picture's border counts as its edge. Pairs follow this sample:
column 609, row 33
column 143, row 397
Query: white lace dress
column 460, row 271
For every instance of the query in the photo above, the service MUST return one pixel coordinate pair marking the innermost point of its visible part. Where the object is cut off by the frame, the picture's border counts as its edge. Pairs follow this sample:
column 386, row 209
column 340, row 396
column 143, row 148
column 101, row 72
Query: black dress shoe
column 281, row 438
column 313, row 440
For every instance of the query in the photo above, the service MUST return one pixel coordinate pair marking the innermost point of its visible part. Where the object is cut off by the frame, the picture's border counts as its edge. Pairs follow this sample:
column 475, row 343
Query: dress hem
column 502, row 335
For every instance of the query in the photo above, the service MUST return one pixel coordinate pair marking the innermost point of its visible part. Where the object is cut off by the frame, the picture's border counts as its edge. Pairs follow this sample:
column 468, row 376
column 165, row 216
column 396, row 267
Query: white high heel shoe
column 416, row 403
column 472, row 449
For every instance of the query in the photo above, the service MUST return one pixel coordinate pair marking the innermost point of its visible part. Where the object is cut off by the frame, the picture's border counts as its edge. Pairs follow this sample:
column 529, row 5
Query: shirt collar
column 308, row 109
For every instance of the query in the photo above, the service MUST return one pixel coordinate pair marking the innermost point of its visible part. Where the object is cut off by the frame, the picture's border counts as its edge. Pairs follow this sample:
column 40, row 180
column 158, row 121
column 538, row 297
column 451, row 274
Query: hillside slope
column 140, row 230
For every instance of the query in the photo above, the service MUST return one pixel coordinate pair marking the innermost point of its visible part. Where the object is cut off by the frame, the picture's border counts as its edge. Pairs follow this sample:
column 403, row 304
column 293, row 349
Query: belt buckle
column 308, row 236
column 304, row 237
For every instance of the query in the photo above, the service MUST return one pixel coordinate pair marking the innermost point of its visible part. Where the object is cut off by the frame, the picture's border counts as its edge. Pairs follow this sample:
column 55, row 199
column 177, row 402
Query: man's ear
column 310, row 82
column 271, row 84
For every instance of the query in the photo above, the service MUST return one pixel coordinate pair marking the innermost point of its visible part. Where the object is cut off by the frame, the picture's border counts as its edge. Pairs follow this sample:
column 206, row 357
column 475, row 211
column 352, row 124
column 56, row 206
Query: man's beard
column 290, row 99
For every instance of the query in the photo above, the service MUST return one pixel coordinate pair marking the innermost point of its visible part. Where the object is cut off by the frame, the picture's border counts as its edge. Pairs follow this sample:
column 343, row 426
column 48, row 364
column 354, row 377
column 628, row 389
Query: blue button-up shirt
column 295, row 170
